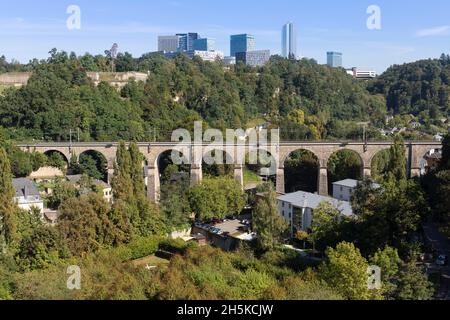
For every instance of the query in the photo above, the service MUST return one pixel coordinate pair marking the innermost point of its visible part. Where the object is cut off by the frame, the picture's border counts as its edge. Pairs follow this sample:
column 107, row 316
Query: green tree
column 175, row 203
column 216, row 198
column 62, row 191
column 388, row 260
column 39, row 250
column 8, row 209
column 396, row 167
column 85, row 224
column 325, row 225
column 413, row 284
column 136, row 170
column 345, row 270
column 267, row 222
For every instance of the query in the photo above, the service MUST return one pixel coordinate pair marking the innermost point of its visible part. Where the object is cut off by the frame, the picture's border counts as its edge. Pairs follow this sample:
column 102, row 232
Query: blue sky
column 411, row 30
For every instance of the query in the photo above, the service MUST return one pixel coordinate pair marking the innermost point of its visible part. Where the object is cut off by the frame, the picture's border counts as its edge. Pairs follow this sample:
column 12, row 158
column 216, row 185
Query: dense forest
column 305, row 99
column 310, row 100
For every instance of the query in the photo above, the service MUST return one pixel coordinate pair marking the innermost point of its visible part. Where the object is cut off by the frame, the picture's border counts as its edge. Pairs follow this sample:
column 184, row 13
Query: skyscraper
column 289, row 41
column 187, row 41
column 168, row 43
column 334, row 59
column 241, row 43
column 256, row 58
column 204, row 44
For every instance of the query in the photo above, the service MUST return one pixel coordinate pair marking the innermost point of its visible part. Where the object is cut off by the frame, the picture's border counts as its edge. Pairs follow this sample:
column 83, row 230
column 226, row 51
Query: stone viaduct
column 152, row 152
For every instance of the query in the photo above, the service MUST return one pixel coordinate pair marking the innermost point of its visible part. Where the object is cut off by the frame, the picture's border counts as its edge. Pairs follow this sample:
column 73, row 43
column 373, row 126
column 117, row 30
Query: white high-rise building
column 289, row 41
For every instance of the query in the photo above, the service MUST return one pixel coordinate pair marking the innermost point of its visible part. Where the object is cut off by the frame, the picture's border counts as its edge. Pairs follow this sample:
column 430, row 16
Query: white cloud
column 433, row 32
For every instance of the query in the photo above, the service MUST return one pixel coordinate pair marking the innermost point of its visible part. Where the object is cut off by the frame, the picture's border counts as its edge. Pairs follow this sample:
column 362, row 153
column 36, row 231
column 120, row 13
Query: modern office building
column 168, row 43
column 241, row 43
column 334, row 59
column 187, row 41
column 206, row 55
column 362, row 73
column 257, row 58
column 228, row 61
column 289, row 41
column 204, row 44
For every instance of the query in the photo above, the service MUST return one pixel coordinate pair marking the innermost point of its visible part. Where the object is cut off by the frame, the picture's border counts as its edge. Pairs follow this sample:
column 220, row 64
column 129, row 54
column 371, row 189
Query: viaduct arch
column 415, row 151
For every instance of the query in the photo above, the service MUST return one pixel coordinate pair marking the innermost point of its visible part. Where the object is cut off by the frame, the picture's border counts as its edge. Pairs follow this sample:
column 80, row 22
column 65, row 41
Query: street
column 441, row 244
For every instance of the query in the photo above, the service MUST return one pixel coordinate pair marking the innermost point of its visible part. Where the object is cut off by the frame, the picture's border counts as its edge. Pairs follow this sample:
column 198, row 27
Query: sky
column 410, row 30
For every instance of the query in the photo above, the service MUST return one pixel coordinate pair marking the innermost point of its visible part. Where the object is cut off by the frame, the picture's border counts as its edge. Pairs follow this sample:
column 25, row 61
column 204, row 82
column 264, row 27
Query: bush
column 123, row 252
column 143, row 247
column 175, row 246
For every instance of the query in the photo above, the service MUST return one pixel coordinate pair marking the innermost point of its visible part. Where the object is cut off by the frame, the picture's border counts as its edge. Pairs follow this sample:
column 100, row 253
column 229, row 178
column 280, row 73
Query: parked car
column 442, row 260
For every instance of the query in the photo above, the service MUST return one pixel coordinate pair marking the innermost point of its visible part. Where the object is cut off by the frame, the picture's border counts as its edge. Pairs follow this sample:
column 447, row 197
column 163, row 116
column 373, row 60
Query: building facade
column 289, row 41
column 362, row 73
column 241, row 43
column 256, row 58
column 229, row 61
column 334, row 59
column 187, row 41
column 298, row 209
column 168, row 43
column 343, row 190
column 27, row 195
column 204, row 44
column 206, row 55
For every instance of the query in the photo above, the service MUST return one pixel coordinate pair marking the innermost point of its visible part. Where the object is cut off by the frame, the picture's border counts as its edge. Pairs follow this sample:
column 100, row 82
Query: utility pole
column 365, row 140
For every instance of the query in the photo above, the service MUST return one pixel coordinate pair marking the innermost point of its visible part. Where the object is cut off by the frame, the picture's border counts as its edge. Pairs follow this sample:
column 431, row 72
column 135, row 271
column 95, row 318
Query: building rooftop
column 46, row 173
column 351, row 183
column 310, row 200
column 75, row 179
column 347, row 183
column 25, row 188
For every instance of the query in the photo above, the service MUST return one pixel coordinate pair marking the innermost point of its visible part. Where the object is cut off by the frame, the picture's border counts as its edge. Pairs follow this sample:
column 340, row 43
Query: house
column 45, row 176
column 438, row 137
column 298, row 209
column 343, row 190
column 98, row 185
column 106, row 189
column 431, row 161
column 415, row 124
column 27, row 195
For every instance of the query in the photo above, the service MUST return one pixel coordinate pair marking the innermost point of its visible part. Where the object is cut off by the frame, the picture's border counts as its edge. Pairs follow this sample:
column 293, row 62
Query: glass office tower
column 187, row 41
column 204, row 44
column 241, row 43
column 334, row 59
column 289, row 41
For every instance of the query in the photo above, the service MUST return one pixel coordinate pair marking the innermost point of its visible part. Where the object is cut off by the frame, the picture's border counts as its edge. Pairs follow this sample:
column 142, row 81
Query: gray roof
column 75, row 179
column 347, row 183
column 310, row 200
column 25, row 187
column 351, row 183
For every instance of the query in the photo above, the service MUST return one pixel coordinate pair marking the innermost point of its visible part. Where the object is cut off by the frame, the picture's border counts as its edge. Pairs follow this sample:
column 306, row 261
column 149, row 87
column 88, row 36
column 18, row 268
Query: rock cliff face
column 117, row 79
